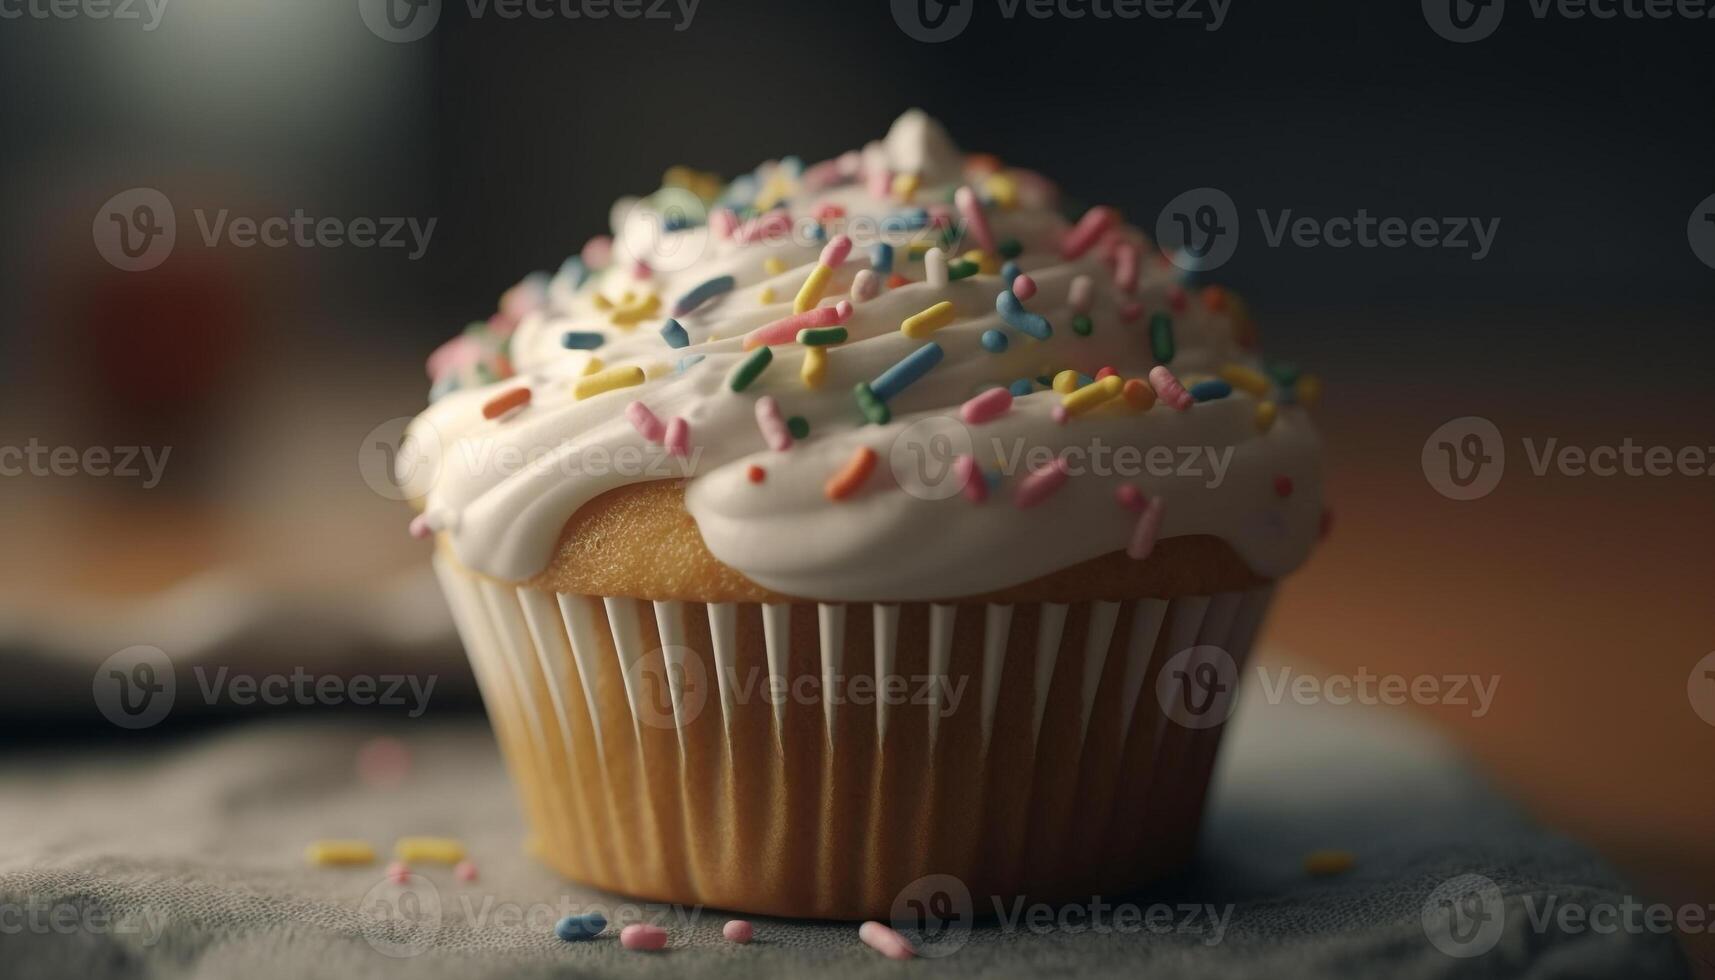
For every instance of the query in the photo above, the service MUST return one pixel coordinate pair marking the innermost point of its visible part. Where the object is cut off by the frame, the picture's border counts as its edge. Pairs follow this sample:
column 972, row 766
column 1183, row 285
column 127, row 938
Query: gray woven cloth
column 183, row 858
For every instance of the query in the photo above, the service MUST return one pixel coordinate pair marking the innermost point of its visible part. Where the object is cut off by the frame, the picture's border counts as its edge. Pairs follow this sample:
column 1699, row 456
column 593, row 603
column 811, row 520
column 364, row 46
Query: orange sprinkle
column 851, row 476
column 896, row 280
column 501, row 404
column 1214, row 298
column 1138, row 394
column 757, row 474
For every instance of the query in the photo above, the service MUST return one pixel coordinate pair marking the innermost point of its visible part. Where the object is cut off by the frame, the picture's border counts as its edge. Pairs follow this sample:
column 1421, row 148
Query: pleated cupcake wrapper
column 817, row 759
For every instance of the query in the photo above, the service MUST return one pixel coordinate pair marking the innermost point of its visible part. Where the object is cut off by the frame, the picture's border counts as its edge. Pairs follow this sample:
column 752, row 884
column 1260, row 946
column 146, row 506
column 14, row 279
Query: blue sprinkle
column 675, row 335
column 702, row 293
column 1019, row 318
column 910, row 219
column 582, row 340
column 912, row 367
column 689, row 361
column 576, row 928
column 881, row 259
column 793, row 164
column 818, row 233
column 444, row 386
column 575, row 270
column 1021, row 387
column 1009, row 272
column 1208, row 391
column 1084, row 379
column 676, row 222
column 1045, row 380
column 994, row 341
column 992, row 477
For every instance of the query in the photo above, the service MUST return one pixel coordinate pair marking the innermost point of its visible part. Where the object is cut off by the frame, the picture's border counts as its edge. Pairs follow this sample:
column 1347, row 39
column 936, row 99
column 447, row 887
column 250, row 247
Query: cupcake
column 851, row 523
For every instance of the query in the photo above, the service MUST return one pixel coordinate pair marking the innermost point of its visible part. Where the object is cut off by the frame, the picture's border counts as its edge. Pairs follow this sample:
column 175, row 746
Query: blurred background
column 273, row 378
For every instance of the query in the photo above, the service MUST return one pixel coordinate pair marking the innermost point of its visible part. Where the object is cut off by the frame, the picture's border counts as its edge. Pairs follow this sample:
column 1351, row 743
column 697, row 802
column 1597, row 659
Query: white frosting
column 881, row 543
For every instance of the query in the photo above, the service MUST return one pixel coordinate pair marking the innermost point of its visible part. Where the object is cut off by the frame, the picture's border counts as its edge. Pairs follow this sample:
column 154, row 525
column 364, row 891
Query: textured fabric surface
column 183, row 858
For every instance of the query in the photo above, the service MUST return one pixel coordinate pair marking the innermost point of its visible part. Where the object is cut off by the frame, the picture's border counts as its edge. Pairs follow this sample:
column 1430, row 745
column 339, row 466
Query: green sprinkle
column 1082, row 326
column 1011, row 249
column 799, row 426
column 873, row 408
column 960, row 269
column 1161, row 338
column 750, row 368
column 1283, row 373
column 821, row 336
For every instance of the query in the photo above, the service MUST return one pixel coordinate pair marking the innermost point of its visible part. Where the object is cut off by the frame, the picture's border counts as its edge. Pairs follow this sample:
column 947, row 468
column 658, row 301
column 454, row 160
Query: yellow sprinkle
column 656, row 369
column 614, row 377
column 815, row 366
column 916, row 250
column 927, row 322
column 1003, row 189
column 1089, row 396
column 988, row 264
column 592, row 365
column 811, row 292
column 766, row 296
column 1265, row 413
column 1324, row 863
column 431, row 850
column 326, row 852
column 773, row 265
column 1309, row 390
column 602, row 302
column 974, row 255
column 635, row 312
column 628, row 297
column 1066, row 382
column 1245, row 379
column 905, row 187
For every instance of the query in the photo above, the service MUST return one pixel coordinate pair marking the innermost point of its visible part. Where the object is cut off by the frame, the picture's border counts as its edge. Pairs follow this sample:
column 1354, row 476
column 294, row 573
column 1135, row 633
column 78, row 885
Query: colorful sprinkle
column 1082, row 325
column 576, row 928
column 1138, row 394
column 881, row 258
column 1081, row 294
column 1169, row 388
column 866, row 285
column 399, row 873
column 1308, row 390
column 420, row 527
column 738, row 931
column 822, row 336
column 1092, row 395
column 674, row 334
column 1265, row 415
column 922, row 324
column 976, row 220
column 1161, row 338
column 678, row 438
column 874, row 409
column 1021, row 387
column 1020, row 319
column 896, row 280
column 465, row 871
column 582, row 340
column 702, row 293
column 785, row 330
column 1003, row 190
column 971, row 481
column 993, row 341
column 772, row 424
column 851, row 476
column 501, row 404
column 774, row 265
column 1246, row 379
column 1284, row 374
column 766, row 296
column 815, row 368
column 986, row 407
column 1066, row 382
column 1143, row 534
column 1010, row 248
column 755, row 474
column 1125, row 267
column 640, row 937
column 429, row 850
column 1041, row 484
column 935, row 268
column 905, row 186
column 1212, row 390
column 339, row 852
column 1009, row 272
column 885, row 941
column 1323, row 864
column 690, row 361
column 799, row 426
column 816, row 284
column 909, row 369
column 962, row 269
column 1023, row 287
column 1130, row 498
column 1091, row 227
column 615, row 377
column 750, row 368
column 645, row 422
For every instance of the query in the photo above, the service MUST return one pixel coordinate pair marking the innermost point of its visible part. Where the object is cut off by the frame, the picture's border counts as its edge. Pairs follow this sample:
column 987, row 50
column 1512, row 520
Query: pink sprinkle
column 976, row 487
column 885, row 941
column 1023, row 287
column 785, row 331
column 420, row 528
column 971, row 209
column 679, row 436
column 1169, row 388
column 456, row 353
column 825, row 213
column 1143, row 536
column 640, row 270
column 1130, row 497
column 1079, row 295
column 645, row 422
column 1106, row 372
column 865, row 285
column 723, row 223
column 1041, row 484
column 643, row 937
column 1059, row 414
column 1125, row 267
column 597, row 252
column 398, row 873
column 1176, row 299
column 880, row 183
column 774, row 224
column 465, row 871
column 772, row 424
column 738, row 931
column 1088, row 231
column 1131, row 311
column 383, row 762
column 986, row 407
column 835, row 252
